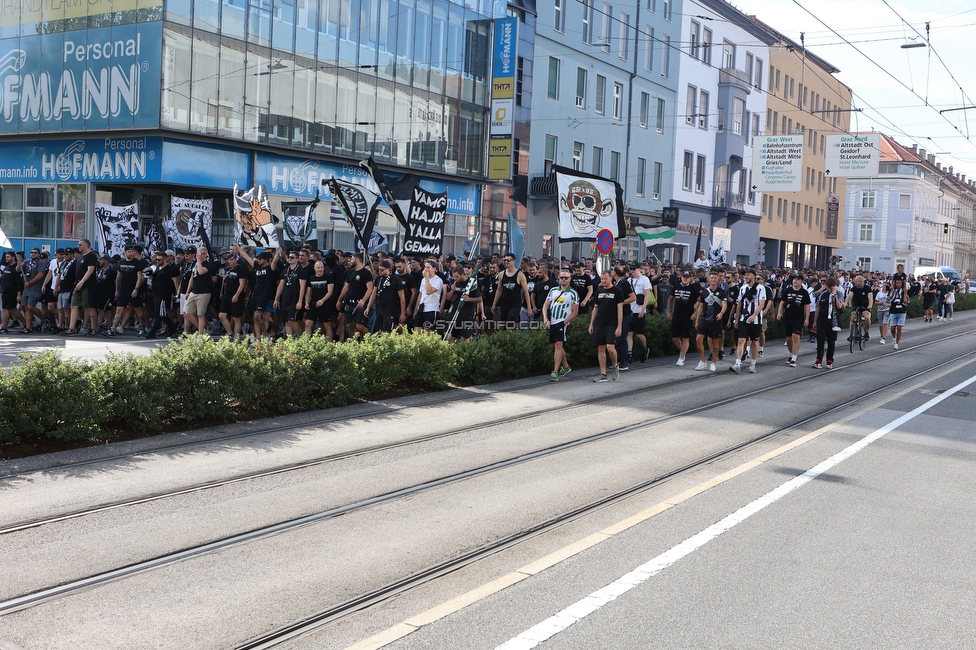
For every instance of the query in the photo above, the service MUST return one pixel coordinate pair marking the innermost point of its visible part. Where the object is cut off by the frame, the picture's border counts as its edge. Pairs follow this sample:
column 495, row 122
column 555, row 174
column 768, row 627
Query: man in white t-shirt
column 431, row 286
column 641, row 285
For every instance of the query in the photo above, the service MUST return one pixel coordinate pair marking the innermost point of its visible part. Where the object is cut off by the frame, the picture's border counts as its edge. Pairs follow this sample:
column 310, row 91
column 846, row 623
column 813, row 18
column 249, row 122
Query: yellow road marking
column 454, row 605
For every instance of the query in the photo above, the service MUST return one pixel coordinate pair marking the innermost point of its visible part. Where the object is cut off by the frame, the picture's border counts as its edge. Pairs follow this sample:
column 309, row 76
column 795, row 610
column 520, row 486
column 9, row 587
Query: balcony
column 902, row 246
column 543, row 187
column 734, row 77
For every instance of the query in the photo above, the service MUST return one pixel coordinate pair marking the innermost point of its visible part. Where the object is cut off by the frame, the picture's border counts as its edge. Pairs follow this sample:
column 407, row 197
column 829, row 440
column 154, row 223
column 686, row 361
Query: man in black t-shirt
column 232, row 300
column 681, row 313
column 264, row 281
column 464, row 304
column 582, row 284
column 165, row 284
column 388, row 299
column 355, row 294
column 198, row 295
column 290, row 293
column 621, row 280
column 129, row 283
column 860, row 297
column 606, row 324
column 794, row 311
column 82, row 305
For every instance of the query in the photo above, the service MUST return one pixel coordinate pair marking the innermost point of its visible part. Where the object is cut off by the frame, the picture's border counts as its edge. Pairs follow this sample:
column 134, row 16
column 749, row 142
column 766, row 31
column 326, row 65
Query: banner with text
column 118, row 227
column 189, row 221
column 425, row 223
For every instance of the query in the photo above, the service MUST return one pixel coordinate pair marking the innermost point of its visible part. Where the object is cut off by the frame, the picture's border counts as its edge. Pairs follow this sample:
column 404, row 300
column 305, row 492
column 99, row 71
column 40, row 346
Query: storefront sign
column 833, row 216
column 99, row 79
column 28, row 12
column 82, row 160
column 502, row 125
column 301, row 177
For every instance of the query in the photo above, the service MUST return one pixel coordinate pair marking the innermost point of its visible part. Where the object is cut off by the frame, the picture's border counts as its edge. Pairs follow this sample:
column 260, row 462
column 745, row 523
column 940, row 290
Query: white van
column 937, row 272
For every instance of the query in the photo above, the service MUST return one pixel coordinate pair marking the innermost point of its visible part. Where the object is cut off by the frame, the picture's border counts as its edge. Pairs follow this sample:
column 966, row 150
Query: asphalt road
column 875, row 552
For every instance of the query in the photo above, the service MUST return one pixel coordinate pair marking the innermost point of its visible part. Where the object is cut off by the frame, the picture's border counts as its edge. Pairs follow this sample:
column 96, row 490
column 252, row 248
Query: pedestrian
column 712, row 304
column 621, row 281
column 748, row 315
column 794, row 312
column 319, row 305
column 389, row 299
column 882, row 301
column 165, row 286
column 681, row 313
column 826, row 315
column 644, row 293
column 929, row 294
column 606, row 323
column 34, row 271
column 465, row 298
column 558, row 311
column 897, row 310
column 290, row 295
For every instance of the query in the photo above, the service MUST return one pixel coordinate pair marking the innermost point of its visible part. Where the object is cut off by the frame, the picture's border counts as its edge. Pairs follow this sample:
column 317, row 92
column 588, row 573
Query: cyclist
column 860, row 298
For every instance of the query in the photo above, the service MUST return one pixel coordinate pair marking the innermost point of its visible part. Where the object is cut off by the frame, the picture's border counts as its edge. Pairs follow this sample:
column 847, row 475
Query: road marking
column 586, row 606
column 458, row 603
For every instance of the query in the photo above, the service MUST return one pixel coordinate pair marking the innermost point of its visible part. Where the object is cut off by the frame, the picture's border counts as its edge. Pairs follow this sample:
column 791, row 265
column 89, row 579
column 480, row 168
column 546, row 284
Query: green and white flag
column 660, row 236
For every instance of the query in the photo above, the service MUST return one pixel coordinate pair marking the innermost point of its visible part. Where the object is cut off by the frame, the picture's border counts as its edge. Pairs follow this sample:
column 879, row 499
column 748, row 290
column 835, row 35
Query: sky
column 901, row 91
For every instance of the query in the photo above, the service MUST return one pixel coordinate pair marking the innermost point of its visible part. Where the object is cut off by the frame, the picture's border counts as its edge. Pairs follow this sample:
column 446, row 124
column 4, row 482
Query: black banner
column 425, row 223
column 669, row 217
column 358, row 204
column 833, row 216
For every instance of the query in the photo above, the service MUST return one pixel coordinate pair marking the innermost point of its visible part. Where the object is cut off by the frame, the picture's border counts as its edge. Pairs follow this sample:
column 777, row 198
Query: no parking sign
column 604, row 241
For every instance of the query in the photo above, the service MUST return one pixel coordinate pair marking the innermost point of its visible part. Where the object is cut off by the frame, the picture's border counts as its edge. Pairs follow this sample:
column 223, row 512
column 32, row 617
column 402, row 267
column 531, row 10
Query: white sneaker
column 882, row 342
column 119, row 330
column 752, row 369
column 700, row 366
column 711, row 367
column 836, row 329
column 896, row 346
column 681, row 362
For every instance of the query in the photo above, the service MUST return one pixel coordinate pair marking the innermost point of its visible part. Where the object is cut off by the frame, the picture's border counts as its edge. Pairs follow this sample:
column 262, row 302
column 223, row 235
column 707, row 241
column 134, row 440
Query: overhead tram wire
column 882, row 68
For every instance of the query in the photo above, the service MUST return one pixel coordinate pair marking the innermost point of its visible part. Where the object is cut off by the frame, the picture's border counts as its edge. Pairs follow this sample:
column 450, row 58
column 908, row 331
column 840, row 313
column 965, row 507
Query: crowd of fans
column 287, row 293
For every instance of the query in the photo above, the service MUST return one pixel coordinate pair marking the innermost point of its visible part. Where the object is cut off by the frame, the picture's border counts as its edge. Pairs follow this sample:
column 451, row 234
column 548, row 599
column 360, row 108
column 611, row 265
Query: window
column 759, row 74
column 624, row 36
column 867, row 199
column 641, row 170
column 738, row 114
column 550, row 153
column 728, row 55
column 578, row 156
column 686, row 170
column 748, row 69
column 691, row 108
column 707, row 46
column 755, row 125
column 752, row 192
column 645, row 108
column 863, row 263
column 819, row 182
column 605, row 31
column 667, row 9
column 580, row 87
column 658, row 177
column 557, row 16
column 598, row 161
column 792, row 87
column 904, row 201
column 721, row 119
column 601, row 93
column 587, row 21
column 618, row 100
column 615, row 166
column 777, row 80
column 703, row 110
column 700, row 174
column 693, row 39
column 649, row 53
column 660, row 116
column 553, row 78
column 866, row 232
column 666, row 57
column 745, row 126
column 775, row 122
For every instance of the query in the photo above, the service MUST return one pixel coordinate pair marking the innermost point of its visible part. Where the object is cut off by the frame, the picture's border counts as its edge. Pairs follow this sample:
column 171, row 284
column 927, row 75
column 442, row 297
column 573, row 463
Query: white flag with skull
column 586, row 205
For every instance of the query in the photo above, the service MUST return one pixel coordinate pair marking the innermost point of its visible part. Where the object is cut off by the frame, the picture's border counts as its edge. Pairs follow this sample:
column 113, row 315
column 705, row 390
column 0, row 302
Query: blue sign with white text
column 82, row 161
column 96, row 79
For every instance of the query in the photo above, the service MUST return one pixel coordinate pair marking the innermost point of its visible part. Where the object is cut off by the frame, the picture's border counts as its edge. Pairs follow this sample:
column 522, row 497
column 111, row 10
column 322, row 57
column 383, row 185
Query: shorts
column 508, row 314
column 64, row 300
column 289, row 312
column 425, row 320
column 681, row 327
column 386, row 322
column 896, row 320
column 196, row 304
column 355, row 315
column 8, row 300
column 49, row 296
column 30, row 300
column 792, row 325
column 711, row 329
column 883, row 317
column 125, row 299
column 558, row 332
column 604, row 335
column 321, row 314
column 637, row 324
column 749, row 331
column 81, row 298
column 231, row 308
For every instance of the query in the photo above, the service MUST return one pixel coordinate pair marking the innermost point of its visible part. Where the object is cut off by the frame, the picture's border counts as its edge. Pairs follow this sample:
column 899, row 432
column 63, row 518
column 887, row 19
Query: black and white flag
column 118, row 227
column 359, row 205
column 190, row 217
column 397, row 194
column 588, row 204
column 425, row 223
column 298, row 221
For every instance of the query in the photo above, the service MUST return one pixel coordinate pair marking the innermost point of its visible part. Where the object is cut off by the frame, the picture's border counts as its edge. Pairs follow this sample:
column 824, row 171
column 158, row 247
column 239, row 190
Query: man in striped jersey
column 749, row 310
column 560, row 307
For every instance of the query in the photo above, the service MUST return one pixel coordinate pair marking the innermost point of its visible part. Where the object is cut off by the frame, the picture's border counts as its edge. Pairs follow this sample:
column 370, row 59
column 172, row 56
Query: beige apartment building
column 802, row 229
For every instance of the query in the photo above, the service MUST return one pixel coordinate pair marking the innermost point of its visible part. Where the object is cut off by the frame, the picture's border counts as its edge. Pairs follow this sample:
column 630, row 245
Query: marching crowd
column 287, row 293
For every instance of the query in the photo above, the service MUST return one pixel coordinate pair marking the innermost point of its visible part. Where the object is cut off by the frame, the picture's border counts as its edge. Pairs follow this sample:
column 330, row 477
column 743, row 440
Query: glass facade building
column 138, row 100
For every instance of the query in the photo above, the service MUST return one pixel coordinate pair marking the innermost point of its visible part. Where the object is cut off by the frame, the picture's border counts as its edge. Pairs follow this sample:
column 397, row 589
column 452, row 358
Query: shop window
column 72, row 202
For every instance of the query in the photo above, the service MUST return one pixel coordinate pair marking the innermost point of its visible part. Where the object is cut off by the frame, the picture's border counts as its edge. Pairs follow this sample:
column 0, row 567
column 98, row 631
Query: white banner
column 852, row 156
column 187, row 218
column 777, row 163
column 254, row 225
column 118, row 227
column 587, row 205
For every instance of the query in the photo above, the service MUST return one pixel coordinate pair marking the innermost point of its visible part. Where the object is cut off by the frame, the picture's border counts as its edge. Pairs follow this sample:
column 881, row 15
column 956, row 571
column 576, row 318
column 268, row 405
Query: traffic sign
column 604, row 241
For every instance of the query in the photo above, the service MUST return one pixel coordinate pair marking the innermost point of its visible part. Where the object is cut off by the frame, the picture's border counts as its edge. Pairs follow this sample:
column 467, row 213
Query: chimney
column 950, row 170
column 931, row 158
column 921, row 154
column 963, row 178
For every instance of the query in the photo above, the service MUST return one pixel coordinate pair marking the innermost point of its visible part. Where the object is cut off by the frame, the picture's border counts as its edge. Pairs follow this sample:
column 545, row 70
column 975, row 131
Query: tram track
column 36, row 597
column 331, row 458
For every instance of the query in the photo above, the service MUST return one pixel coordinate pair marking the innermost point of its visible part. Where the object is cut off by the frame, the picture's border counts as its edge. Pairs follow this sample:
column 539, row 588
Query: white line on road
column 586, row 606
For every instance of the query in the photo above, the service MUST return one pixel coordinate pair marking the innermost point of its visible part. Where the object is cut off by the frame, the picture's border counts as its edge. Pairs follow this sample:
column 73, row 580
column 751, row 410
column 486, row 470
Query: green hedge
column 198, row 380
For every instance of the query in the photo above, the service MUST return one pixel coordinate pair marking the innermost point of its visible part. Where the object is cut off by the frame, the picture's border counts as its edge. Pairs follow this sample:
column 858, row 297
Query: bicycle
column 858, row 331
